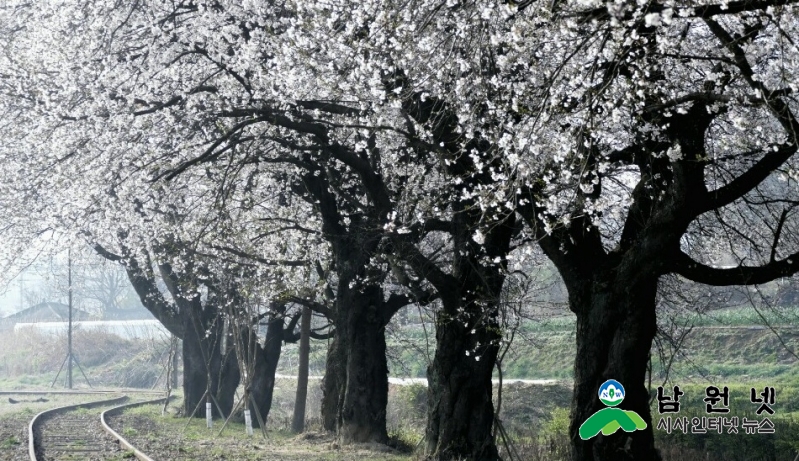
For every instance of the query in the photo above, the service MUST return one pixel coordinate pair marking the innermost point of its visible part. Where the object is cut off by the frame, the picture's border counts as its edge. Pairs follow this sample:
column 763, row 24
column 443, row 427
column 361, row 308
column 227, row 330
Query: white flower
column 674, row 153
column 652, row 19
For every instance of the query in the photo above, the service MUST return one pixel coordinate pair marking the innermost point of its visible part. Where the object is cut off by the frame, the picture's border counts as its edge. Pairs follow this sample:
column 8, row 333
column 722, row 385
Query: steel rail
column 122, row 442
column 82, row 392
column 41, row 417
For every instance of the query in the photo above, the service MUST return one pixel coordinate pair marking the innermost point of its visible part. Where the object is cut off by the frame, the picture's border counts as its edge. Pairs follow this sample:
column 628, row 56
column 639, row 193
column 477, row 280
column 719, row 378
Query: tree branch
column 741, row 275
column 264, row 261
column 315, row 306
column 703, row 12
column 149, row 294
column 777, row 233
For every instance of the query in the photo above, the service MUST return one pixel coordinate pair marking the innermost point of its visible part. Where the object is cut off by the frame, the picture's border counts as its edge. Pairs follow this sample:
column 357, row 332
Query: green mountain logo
column 609, row 420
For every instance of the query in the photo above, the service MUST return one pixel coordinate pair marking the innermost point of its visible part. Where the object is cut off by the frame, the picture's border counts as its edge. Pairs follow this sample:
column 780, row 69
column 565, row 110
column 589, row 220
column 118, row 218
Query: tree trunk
column 195, row 376
column 202, row 356
column 196, row 325
column 355, row 387
column 460, row 408
column 298, row 421
column 175, row 361
column 225, row 377
column 332, row 383
column 616, row 324
column 361, row 328
column 356, row 378
column 460, row 414
column 266, row 359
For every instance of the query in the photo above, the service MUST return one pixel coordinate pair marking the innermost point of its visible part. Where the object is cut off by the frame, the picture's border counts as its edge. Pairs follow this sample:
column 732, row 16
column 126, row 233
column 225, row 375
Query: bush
column 407, row 405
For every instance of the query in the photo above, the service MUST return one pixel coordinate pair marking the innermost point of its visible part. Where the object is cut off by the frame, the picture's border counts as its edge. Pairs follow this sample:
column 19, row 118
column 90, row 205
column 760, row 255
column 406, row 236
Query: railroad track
column 80, row 432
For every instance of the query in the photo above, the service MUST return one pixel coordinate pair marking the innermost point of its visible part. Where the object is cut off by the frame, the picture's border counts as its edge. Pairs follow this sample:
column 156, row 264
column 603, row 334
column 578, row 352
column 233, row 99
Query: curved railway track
column 122, row 442
column 80, row 432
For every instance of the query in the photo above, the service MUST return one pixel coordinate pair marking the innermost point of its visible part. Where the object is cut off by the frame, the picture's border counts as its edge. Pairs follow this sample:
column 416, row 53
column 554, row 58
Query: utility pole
column 70, row 357
column 69, row 326
column 21, row 291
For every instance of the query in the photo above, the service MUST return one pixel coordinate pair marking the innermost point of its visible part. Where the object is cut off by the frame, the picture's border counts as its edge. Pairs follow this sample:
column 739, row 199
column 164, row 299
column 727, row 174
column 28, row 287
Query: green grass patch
column 9, row 443
column 746, row 316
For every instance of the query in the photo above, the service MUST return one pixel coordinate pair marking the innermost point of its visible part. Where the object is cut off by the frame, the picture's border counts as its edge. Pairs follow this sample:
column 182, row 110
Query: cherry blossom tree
column 618, row 133
column 624, row 130
column 78, row 195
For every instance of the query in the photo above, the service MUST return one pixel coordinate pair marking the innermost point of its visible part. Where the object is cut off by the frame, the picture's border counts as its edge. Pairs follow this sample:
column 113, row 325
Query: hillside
column 732, row 344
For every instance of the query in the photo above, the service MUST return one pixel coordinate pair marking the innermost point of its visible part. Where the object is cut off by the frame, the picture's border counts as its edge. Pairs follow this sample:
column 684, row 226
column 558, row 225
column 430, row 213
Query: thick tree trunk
column 356, row 378
column 196, row 324
column 361, row 328
column 460, row 415
column 460, row 407
column 195, row 376
column 298, row 420
column 616, row 324
column 202, row 357
column 355, row 387
column 226, row 377
column 266, row 359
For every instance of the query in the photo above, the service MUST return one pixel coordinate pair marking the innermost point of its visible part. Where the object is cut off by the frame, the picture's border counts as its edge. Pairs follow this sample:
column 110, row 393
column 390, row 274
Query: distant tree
column 108, row 286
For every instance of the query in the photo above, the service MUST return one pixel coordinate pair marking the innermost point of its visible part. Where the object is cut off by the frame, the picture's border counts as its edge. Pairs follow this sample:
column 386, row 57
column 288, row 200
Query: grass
column 746, row 316
column 744, row 349
column 9, row 443
column 27, row 407
column 194, row 439
column 740, row 354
